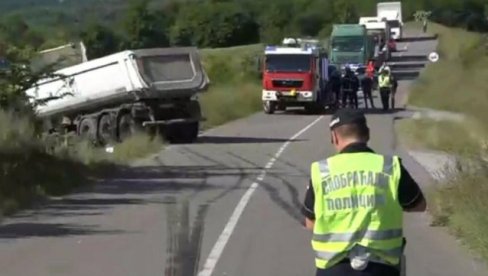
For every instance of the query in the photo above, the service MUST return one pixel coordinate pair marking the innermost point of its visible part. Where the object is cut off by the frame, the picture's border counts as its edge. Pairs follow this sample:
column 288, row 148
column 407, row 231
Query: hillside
column 52, row 12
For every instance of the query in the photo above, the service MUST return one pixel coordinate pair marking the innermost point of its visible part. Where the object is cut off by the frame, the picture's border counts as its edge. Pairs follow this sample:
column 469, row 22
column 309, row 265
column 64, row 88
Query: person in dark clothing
column 367, row 85
column 394, row 86
column 335, row 85
column 350, row 135
column 350, row 87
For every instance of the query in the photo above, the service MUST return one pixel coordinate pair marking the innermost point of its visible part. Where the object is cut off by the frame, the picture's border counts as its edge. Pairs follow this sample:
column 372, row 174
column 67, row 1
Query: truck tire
column 87, row 128
column 106, row 130
column 269, row 107
column 182, row 133
column 126, row 126
column 189, row 132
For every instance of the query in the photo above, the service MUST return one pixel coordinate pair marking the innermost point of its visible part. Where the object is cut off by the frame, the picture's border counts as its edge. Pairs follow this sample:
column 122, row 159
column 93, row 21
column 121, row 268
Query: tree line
column 222, row 23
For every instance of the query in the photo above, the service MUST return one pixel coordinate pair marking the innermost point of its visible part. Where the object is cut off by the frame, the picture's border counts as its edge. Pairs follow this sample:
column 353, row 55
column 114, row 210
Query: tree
column 144, row 29
column 277, row 21
column 17, row 76
column 225, row 25
column 17, row 32
column 100, row 41
column 345, row 11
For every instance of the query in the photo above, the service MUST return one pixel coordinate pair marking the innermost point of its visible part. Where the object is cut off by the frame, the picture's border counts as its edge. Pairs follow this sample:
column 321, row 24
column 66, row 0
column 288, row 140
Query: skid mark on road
column 184, row 242
column 219, row 246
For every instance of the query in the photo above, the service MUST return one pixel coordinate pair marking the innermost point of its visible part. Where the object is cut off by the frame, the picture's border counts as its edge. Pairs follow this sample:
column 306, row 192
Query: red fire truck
column 295, row 76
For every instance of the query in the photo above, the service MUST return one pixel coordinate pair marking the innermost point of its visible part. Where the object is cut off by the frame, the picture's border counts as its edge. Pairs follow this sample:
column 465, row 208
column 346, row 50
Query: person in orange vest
column 370, row 68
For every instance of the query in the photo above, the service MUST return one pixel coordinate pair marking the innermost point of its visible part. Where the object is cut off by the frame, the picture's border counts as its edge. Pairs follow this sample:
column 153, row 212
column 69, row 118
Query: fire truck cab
column 295, row 75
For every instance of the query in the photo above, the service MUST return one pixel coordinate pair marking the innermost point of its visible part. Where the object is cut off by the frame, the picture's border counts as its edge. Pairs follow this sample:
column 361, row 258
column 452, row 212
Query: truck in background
column 380, row 32
column 349, row 44
column 295, row 75
column 112, row 97
column 368, row 19
column 392, row 13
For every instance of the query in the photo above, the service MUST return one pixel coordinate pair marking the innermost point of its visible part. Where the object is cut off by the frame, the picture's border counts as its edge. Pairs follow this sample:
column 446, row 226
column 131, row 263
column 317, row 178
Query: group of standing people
column 345, row 88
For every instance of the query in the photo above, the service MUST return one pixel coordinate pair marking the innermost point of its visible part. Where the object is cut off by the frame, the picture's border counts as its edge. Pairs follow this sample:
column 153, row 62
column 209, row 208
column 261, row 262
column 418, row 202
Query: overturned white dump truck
column 110, row 98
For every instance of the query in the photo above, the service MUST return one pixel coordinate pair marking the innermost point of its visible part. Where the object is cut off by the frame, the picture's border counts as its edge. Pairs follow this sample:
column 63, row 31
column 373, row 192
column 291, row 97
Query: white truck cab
column 391, row 12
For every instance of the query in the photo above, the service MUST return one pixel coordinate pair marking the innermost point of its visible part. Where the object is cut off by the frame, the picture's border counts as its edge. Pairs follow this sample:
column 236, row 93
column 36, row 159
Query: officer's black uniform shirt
column 409, row 192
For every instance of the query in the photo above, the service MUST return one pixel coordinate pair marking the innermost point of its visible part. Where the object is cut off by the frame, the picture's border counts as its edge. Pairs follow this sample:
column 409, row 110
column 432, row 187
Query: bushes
column 27, row 169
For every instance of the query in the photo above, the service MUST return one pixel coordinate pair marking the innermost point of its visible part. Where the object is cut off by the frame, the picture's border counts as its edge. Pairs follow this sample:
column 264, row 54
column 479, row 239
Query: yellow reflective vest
column 384, row 81
column 356, row 203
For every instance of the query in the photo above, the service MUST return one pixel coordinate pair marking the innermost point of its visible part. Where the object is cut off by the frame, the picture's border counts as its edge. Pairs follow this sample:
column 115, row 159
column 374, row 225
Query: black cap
column 347, row 116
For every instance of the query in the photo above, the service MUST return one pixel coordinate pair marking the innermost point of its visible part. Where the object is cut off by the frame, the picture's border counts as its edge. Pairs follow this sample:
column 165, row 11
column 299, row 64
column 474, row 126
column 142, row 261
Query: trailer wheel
column 87, row 129
column 182, row 133
column 105, row 128
column 190, row 132
column 126, row 126
column 269, row 107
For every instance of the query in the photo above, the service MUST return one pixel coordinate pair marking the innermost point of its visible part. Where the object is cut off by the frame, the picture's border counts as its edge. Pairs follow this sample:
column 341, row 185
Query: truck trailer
column 112, row 97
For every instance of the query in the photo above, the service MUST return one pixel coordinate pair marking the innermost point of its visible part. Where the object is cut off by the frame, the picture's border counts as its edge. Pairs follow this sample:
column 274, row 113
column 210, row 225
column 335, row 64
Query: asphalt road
column 227, row 205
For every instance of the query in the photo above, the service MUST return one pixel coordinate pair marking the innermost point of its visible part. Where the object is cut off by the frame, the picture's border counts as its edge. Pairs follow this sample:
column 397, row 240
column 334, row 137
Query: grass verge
column 235, row 90
column 32, row 167
column 457, row 82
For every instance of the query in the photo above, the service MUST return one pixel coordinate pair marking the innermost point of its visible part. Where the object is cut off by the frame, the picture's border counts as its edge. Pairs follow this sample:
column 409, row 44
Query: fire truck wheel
column 269, row 107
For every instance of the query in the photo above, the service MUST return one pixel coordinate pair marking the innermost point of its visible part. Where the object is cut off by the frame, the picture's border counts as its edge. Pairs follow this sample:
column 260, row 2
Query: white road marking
column 219, row 246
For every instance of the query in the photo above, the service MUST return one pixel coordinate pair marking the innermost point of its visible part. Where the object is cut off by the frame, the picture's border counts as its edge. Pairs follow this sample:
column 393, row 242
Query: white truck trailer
column 110, row 98
column 391, row 12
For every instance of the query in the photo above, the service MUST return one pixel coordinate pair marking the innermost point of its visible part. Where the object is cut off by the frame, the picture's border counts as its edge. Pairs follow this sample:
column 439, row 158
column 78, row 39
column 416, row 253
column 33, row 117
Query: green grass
column 457, row 82
column 448, row 136
column 33, row 166
column 28, row 169
column 235, row 87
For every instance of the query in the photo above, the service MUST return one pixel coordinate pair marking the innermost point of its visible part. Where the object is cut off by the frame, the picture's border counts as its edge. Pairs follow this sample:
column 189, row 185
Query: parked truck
column 380, row 32
column 112, row 97
column 392, row 13
column 295, row 75
column 350, row 45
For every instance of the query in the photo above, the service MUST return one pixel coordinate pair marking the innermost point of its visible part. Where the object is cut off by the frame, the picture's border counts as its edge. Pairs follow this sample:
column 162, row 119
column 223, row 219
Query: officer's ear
column 333, row 137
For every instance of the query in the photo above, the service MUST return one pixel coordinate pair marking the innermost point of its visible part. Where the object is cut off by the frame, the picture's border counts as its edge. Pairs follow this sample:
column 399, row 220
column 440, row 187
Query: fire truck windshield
column 347, row 44
column 288, row 63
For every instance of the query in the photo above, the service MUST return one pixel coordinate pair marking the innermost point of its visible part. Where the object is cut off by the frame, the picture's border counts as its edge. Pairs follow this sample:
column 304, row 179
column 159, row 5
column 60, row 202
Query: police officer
column 350, row 87
column 335, row 84
column 354, row 204
column 385, row 85
column 367, row 85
